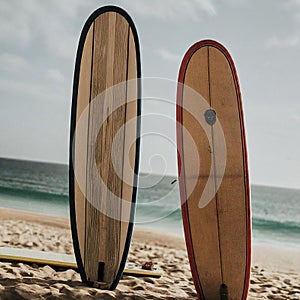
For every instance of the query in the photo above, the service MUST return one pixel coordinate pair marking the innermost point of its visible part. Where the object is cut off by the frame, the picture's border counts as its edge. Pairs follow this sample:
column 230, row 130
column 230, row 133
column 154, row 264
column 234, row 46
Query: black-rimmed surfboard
column 213, row 172
column 104, row 145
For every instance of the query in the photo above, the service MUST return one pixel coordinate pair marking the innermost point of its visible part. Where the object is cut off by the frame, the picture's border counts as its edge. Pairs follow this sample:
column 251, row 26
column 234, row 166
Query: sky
column 38, row 44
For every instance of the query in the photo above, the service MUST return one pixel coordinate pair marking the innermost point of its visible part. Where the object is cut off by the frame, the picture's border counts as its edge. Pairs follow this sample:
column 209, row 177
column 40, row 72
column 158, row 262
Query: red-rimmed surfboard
column 213, row 172
column 104, row 145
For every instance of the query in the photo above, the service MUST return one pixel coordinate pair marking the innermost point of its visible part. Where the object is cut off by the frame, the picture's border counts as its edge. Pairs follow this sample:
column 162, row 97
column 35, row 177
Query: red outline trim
column 181, row 175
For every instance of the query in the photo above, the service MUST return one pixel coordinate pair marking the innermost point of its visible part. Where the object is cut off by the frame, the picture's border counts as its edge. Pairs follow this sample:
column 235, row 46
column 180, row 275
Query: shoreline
column 62, row 222
column 38, row 218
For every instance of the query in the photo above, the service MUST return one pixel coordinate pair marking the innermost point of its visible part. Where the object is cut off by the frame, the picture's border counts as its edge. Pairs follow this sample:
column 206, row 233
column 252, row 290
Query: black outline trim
column 81, row 43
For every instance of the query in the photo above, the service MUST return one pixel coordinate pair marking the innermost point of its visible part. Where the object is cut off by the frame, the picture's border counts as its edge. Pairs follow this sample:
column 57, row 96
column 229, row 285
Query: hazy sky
column 38, row 43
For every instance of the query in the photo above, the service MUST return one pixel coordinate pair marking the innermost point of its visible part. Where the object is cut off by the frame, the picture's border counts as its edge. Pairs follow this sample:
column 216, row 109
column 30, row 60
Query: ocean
column 43, row 188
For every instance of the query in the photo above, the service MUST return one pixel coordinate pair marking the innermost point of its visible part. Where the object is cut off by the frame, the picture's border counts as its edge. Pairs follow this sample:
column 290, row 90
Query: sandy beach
column 275, row 271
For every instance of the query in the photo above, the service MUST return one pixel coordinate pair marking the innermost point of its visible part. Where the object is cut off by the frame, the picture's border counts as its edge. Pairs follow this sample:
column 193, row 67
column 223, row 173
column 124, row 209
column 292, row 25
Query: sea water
column 43, row 188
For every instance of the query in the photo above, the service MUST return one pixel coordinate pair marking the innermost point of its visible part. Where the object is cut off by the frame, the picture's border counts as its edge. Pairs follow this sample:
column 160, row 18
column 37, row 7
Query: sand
column 275, row 271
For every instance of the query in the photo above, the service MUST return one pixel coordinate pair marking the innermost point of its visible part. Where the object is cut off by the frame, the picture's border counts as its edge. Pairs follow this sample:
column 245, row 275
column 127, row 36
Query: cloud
column 37, row 92
column 15, row 23
column 55, row 75
column 284, row 42
column 12, row 63
column 293, row 6
column 295, row 2
column 53, row 24
column 168, row 55
column 171, row 9
column 295, row 117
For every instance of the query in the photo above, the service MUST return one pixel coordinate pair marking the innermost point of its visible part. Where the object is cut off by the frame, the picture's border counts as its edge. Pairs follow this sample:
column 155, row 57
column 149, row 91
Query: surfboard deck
column 213, row 172
column 64, row 261
column 104, row 145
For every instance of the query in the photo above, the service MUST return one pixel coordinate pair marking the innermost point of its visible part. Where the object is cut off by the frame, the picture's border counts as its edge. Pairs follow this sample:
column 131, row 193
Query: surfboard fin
column 223, row 292
column 100, row 271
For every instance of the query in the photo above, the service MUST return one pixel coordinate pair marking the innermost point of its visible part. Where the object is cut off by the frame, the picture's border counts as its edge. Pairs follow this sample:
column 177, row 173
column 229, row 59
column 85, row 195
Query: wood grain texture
column 103, row 226
column 231, row 197
column 217, row 235
column 130, row 140
column 94, row 191
column 203, row 222
column 81, row 135
column 109, row 58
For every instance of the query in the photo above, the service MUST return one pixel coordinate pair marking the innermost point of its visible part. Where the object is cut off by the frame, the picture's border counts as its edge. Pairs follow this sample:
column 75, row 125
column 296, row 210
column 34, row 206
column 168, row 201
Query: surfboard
column 213, row 172
column 62, row 261
column 104, row 145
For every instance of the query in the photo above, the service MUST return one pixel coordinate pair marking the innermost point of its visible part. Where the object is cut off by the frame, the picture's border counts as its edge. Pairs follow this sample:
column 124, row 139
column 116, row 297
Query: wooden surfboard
column 104, row 145
column 213, row 172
